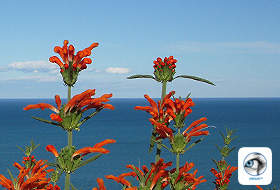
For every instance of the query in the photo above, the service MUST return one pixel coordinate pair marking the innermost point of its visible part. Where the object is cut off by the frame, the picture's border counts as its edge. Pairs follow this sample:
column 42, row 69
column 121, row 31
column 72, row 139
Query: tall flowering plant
column 164, row 71
column 224, row 170
column 167, row 119
column 72, row 115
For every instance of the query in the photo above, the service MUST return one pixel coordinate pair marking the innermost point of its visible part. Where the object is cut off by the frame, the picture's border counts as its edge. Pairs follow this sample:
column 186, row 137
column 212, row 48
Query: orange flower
column 179, row 107
column 51, row 148
column 167, row 62
column 33, row 177
column 186, row 177
column 196, row 130
column 100, row 183
column 157, row 110
column 42, row 106
column 96, row 148
column 71, row 61
column 259, row 187
column 74, row 108
column 51, row 187
column 120, row 179
column 156, row 175
column 85, row 101
column 223, row 177
column 162, row 130
column 164, row 70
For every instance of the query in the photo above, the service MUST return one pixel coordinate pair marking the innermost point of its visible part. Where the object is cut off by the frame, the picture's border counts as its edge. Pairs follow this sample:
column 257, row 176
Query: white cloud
column 230, row 47
column 37, row 78
column 33, row 66
column 117, row 70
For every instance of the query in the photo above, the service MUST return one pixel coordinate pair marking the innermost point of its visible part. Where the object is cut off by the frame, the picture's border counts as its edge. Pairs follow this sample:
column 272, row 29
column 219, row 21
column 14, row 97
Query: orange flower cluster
column 196, row 129
column 75, row 62
column 86, row 150
column 101, row 185
column 156, row 175
column 78, row 103
column 179, row 107
column 167, row 62
column 96, row 148
column 223, row 177
column 157, row 110
column 168, row 110
column 33, row 177
column 188, row 178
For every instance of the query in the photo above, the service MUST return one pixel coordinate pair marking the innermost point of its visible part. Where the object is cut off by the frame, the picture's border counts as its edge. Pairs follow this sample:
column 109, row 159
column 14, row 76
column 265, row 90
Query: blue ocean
column 256, row 121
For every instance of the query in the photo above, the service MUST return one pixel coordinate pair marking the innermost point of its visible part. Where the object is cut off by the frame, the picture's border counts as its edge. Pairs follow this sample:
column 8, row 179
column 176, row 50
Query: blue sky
column 235, row 44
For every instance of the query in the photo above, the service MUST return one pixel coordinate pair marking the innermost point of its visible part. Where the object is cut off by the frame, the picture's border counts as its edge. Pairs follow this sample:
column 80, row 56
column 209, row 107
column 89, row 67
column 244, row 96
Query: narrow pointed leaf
column 152, row 141
column 72, row 187
column 46, row 121
column 20, row 148
column 11, row 176
column 193, row 144
column 189, row 94
column 51, row 164
column 164, row 146
column 195, row 78
column 88, row 117
column 140, row 177
column 89, row 160
column 141, row 76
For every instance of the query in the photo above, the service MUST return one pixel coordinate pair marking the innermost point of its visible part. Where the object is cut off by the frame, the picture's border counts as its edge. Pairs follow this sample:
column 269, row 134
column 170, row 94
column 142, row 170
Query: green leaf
column 140, row 177
column 20, row 148
column 189, row 94
column 72, row 187
column 51, row 164
column 88, row 117
column 141, row 76
column 46, row 121
column 11, row 176
column 152, row 141
column 88, row 161
column 195, row 78
column 193, row 144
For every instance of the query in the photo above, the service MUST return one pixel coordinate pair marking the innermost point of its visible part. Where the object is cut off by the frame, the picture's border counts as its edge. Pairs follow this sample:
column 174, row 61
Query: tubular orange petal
column 195, row 123
column 52, row 149
column 58, row 101
column 101, row 184
column 156, row 177
column 199, row 133
column 259, row 187
column 78, row 98
column 109, row 106
column 152, row 102
column 56, row 60
column 6, row 182
column 105, row 142
column 56, row 117
column 18, row 166
column 200, row 127
column 93, row 45
column 42, row 106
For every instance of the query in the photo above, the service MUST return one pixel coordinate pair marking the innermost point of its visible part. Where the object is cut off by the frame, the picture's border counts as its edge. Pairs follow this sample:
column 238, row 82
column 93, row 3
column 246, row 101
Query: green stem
column 163, row 91
column 177, row 162
column 158, row 151
column 69, row 93
column 67, row 181
column 69, row 134
column 163, row 94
